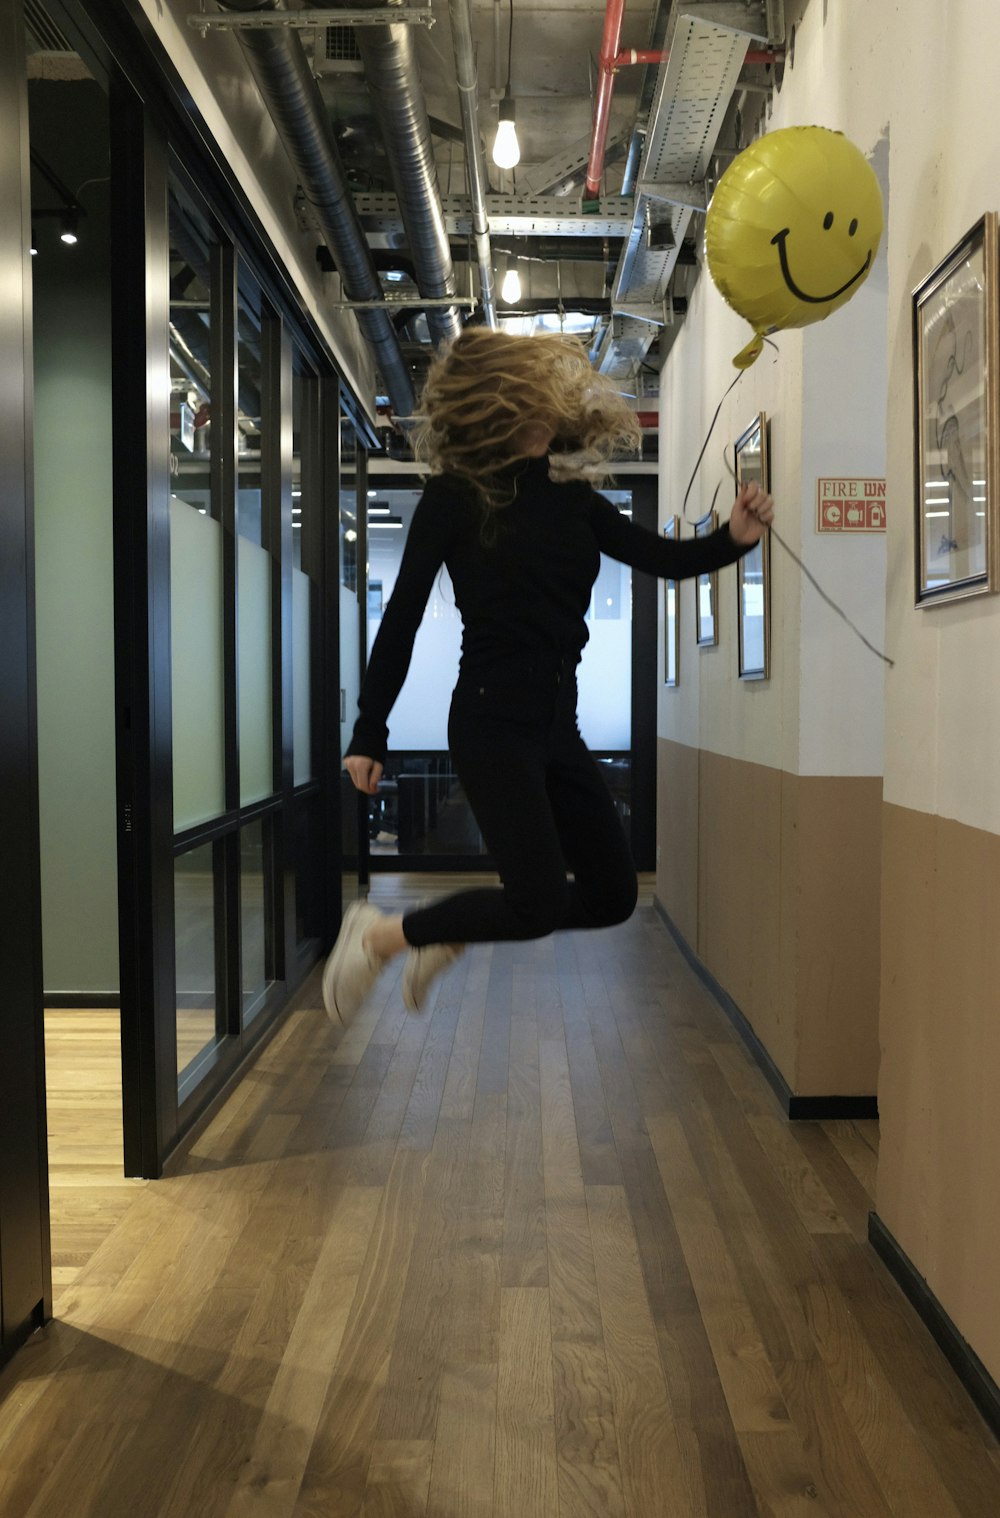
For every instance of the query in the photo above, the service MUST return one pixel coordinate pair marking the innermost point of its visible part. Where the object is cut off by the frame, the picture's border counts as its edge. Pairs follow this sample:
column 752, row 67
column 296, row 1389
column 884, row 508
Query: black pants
column 542, row 805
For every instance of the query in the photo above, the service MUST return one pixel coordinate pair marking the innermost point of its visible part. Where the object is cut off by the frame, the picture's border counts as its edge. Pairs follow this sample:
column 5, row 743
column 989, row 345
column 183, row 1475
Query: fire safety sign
column 850, row 505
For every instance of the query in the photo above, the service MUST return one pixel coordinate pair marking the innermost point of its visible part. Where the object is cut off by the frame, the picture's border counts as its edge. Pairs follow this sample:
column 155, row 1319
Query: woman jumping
column 515, row 429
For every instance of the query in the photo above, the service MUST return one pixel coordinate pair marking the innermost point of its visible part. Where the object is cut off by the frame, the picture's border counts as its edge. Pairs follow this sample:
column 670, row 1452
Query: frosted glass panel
column 196, row 667
column 301, row 679
column 420, row 717
column 254, row 609
column 605, row 674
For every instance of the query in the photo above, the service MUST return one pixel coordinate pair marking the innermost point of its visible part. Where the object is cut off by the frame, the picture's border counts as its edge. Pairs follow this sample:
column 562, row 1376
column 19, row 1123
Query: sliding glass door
column 220, row 627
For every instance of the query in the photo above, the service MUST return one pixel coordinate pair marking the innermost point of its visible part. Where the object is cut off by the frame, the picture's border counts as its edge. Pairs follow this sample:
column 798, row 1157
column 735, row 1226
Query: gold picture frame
column 671, row 614
column 753, row 572
column 956, row 365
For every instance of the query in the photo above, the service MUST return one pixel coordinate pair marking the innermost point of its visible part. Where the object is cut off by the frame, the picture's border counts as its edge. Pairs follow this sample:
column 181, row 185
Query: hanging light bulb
column 70, row 223
column 510, row 290
column 506, row 148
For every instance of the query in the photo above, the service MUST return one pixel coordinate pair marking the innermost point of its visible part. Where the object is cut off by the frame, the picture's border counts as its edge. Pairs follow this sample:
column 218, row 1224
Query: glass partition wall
column 225, row 620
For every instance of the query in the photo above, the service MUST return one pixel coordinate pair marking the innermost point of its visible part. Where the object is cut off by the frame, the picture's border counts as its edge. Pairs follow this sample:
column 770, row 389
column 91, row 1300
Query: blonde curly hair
column 486, row 385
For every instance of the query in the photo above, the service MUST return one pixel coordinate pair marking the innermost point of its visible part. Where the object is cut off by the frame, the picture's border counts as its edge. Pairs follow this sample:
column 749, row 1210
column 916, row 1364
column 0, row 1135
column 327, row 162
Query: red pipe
column 605, row 89
column 610, row 61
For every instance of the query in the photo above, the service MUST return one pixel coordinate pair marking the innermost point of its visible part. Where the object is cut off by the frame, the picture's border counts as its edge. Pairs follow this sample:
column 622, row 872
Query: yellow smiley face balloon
column 792, row 230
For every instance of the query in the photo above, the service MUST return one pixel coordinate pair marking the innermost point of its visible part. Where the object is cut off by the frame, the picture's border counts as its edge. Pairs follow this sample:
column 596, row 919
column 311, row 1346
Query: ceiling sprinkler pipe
column 605, row 89
column 468, row 94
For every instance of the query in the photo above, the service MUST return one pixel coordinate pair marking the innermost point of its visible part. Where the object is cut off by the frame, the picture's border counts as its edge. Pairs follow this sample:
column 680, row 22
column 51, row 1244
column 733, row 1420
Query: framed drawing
column 671, row 613
column 753, row 571
column 957, row 423
column 707, row 590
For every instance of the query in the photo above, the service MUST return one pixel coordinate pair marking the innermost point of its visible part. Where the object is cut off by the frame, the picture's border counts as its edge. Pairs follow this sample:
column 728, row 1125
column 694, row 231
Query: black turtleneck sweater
column 524, row 592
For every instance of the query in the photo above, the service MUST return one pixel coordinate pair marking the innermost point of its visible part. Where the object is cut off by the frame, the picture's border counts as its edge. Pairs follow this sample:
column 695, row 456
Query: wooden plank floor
column 89, row 1194
column 548, row 1250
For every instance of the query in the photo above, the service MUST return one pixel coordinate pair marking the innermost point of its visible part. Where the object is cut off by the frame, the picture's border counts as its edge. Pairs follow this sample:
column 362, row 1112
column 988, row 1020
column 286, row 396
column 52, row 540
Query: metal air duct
column 401, row 112
column 281, row 70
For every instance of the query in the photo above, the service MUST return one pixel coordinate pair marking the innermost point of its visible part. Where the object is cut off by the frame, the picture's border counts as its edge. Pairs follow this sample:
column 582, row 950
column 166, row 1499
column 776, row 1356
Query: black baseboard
column 804, row 1108
column 443, row 864
column 961, row 1356
column 84, row 1001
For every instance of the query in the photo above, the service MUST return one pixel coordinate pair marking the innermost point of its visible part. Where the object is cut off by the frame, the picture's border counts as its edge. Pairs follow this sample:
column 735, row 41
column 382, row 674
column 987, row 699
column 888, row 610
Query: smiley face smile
column 778, row 240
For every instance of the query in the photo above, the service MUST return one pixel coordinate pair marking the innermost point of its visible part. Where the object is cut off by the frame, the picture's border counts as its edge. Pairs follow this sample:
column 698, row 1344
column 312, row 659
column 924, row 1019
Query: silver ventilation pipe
column 401, row 112
column 468, row 94
column 281, row 70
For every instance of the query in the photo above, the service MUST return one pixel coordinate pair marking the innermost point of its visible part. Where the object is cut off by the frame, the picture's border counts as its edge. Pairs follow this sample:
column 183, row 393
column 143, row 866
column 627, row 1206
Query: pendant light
column 506, row 148
column 510, row 290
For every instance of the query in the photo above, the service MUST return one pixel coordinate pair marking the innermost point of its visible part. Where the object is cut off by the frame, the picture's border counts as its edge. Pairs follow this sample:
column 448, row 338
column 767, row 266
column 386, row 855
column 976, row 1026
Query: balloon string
column 697, row 462
column 773, row 530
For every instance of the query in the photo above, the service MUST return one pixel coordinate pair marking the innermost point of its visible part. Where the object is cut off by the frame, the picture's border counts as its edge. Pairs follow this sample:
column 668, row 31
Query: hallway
column 550, row 1249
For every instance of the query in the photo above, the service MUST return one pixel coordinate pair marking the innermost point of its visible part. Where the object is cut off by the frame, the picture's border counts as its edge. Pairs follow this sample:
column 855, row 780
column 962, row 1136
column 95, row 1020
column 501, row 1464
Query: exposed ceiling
column 581, row 264
column 616, row 266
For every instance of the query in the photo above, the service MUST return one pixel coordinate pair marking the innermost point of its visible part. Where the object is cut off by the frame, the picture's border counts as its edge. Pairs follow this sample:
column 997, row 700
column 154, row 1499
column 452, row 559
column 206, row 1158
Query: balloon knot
column 751, row 353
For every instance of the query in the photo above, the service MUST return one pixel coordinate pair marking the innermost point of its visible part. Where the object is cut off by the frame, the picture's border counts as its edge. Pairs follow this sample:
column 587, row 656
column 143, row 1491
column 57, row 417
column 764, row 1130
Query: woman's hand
column 366, row 773
column 753, row 511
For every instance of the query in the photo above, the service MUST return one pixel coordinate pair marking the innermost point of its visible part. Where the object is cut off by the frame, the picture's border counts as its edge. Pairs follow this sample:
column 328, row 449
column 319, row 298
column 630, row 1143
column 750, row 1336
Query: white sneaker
column 422, row 965
column 351, row 970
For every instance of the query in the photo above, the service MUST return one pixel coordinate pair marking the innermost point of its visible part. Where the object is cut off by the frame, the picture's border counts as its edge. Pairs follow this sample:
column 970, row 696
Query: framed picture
column 753, row 571
column 957, row 425
column 707, row 590
column 671, row 613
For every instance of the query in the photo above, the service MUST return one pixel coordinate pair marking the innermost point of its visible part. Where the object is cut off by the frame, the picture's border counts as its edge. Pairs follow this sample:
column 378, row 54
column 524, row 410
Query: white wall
column 844, row 380
column 942, row 715
column 823, row 390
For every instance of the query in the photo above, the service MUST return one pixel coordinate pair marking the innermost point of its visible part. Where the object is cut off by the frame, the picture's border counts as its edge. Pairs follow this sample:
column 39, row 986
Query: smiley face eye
column 853, row 227
column 828, row 221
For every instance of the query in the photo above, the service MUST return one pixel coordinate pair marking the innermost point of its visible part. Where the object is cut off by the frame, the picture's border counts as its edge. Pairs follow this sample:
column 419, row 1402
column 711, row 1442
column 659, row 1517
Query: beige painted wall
column 939, row 1163
column 773, row 881
column 677, row 835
